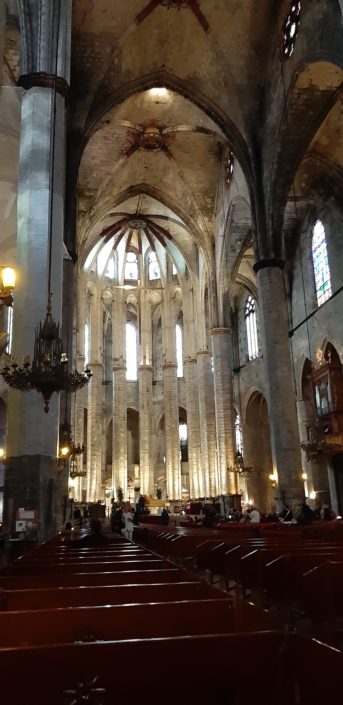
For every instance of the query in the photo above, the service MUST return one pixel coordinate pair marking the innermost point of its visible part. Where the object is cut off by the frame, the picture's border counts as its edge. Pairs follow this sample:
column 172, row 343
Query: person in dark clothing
column 136, row 516
column 164, row 517
column 95, row 538
column 306, row 514
column 118, row 521
column 286, row 514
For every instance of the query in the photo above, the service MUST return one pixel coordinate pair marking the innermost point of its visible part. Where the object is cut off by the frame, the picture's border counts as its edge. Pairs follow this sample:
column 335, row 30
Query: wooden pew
column 84, row 566
column 318, row 671
column 123, row 577
column 49, row 598
column 128, row 621
column 322, row 589
column 213, row 668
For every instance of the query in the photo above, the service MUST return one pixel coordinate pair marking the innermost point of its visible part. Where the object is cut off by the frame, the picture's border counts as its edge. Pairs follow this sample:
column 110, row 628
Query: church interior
column 171, row 276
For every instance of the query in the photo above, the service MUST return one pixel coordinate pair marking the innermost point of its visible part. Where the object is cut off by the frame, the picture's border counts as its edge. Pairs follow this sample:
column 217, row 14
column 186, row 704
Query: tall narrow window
column 250, row 322
column 131, row 266
column 320, row 263
column 86, row 344
column 183, row 436
column 131, row 352
column 238, row 434
column 154, row 270
column 179, row 354
column 9, row 329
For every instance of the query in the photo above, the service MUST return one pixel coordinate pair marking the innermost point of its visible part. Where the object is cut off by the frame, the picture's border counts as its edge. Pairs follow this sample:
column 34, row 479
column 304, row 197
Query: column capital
column 190, row 361
column 117, row 368
column 268, row 263
column 144, row 367
column 169, row 366
column 95, row 364
column 204, row 352
column 219, row 330
column 40, row 79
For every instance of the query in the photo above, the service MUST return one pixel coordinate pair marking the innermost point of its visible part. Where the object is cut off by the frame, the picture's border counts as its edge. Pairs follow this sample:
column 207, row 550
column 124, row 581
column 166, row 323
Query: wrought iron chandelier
column 74, row 469
column 48, row 371
column 239, row 466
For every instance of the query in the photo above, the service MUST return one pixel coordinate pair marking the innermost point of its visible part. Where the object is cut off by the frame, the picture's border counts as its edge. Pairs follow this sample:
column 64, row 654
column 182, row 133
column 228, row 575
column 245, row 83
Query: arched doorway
column 257, row 453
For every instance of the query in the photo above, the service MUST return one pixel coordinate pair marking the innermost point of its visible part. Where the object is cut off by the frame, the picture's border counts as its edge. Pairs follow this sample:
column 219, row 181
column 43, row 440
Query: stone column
column 193, row 425
column 208, row 482
column 280, row 384
column 145, row 430
column 171, row 412
column 95, row 401
column 146, row 467
column 191, row 387
column 119, row 455
column 223, row 398
column 171, row 398
column 32, row 441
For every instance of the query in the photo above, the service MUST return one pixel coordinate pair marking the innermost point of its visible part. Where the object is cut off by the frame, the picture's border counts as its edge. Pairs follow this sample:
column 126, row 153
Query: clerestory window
column 251, row 327
column 321, row 267
column 131, row 352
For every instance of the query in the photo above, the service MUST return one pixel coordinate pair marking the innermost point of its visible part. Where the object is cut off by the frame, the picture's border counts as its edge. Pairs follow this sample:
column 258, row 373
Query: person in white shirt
column 255, row 516
column 128, row 520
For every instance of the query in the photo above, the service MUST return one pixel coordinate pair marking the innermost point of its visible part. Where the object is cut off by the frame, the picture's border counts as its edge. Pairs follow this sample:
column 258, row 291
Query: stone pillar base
column 30, row 482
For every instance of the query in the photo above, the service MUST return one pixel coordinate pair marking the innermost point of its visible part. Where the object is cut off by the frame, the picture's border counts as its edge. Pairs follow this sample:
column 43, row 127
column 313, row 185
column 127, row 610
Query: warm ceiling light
column 8, row 278
column 159, row 94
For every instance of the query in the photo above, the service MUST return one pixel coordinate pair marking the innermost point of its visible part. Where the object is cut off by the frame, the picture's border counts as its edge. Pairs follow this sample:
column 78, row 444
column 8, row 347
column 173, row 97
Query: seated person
column 95, row 538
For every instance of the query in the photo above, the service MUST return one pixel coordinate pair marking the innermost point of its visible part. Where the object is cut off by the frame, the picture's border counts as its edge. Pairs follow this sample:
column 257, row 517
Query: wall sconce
column 273, row 479
column 2, row 454
column 7, row 285
column 304, row 476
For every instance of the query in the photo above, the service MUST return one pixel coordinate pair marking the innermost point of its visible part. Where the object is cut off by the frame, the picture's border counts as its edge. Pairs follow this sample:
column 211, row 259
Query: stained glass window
column 290, row 29
column 179, row 355
column 9, row 329
column 229, row 165
column 238, row 434
column 320, row 263
column 183, row 436
column 131, row 266
column 154, row 270
column 131, row 352
column 251, row 327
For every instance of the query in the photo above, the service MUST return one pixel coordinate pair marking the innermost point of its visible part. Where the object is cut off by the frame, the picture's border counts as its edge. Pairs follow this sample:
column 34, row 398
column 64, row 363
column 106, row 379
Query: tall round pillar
column 171, row 412
column 280, row 383
column 32, row 440
column 145, row 430
column 208, row 481
column 119, row 454
column 223, row 399
column 193, row 425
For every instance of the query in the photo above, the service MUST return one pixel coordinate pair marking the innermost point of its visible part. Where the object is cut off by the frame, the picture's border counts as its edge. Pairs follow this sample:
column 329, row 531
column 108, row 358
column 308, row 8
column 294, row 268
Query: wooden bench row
column 230, row 669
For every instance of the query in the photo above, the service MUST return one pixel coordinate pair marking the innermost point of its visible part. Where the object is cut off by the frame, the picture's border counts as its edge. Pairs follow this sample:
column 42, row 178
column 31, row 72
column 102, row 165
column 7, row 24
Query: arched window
column 9, row 329
column 131, row 266
column 183, row 436
column 153, row 268
column 238, row 434
column 179, row 353
column 131, row 352
column 250, row 322
column 86, row 344
column 320, row 263
column 291, row 28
